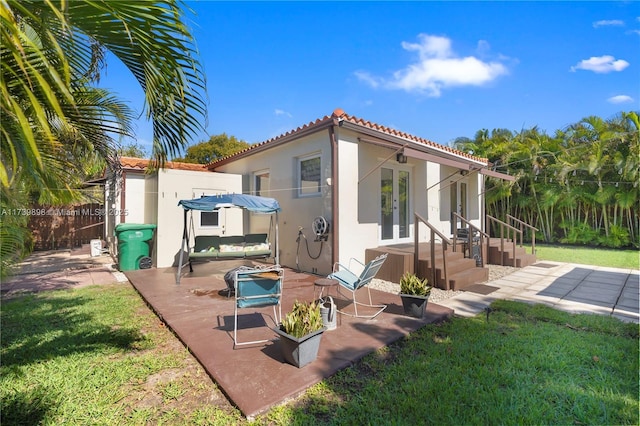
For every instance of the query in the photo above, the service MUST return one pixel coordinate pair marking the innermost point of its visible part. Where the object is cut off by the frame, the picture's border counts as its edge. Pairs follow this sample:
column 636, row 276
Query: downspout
column 335, row 254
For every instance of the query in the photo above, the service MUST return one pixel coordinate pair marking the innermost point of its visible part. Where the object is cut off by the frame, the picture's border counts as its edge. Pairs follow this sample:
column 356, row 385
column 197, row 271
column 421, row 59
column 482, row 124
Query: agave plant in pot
column 300, row 333
column 414, row 292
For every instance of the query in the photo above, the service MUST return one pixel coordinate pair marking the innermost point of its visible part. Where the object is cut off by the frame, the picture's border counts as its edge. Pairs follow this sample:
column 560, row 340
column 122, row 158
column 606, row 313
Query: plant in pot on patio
column 414, row 293
column 300, row 333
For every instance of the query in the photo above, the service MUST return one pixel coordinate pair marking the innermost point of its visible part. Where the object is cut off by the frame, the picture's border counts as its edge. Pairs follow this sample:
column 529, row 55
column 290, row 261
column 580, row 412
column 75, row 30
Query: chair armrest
column 337, row 266
column 357, row 261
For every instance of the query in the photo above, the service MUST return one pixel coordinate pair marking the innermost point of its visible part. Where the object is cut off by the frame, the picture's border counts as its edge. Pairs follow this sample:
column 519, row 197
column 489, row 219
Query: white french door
column 395, row 205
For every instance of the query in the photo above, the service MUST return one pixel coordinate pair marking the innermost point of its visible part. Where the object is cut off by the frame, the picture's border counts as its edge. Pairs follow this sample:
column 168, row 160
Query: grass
column 99, row 355
column 526, row 364
column 629, row 259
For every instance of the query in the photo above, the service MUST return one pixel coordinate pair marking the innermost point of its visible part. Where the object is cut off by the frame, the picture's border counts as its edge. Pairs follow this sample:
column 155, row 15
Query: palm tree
column 52, row 52
column 53, row 118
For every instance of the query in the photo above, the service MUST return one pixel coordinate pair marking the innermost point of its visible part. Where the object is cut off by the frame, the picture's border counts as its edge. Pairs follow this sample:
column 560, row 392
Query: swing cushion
column 231, row 246
column 208, row 247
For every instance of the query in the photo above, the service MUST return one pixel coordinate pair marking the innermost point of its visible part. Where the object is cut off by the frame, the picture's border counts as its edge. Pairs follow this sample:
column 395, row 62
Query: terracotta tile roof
column 390, row 131
column 338, row 115
column 133, row 163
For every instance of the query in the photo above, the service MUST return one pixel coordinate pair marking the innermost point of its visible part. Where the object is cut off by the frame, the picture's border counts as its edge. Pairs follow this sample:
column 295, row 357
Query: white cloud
column 609, row 22
column 437, row 67
column 620, row 99
column 282, row 112
column 368, row 78
column 483, row 47
column 601, row 64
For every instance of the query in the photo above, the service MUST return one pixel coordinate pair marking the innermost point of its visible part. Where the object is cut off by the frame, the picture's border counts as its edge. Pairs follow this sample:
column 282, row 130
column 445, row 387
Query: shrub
column 411, row 284
column 303, row 319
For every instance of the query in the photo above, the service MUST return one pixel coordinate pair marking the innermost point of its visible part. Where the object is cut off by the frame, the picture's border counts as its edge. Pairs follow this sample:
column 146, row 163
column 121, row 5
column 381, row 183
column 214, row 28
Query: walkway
column 59, row 270
column 568, row 287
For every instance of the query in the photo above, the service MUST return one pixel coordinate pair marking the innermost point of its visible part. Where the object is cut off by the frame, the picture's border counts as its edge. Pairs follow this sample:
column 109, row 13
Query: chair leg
column 277, row 319
column 379, row 308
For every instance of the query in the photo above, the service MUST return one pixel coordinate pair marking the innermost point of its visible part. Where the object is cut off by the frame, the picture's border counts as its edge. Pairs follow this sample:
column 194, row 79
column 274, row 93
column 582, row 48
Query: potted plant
column 300, row 333
column 414, row 293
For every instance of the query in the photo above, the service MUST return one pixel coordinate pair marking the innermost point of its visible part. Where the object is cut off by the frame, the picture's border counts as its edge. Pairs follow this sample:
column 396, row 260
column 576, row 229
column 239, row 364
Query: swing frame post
column 185, row 240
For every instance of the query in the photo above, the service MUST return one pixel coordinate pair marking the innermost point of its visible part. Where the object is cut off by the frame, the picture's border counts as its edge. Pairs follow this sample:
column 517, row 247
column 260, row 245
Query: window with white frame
column 261, row 183
column 208, row 219
column 309, row 183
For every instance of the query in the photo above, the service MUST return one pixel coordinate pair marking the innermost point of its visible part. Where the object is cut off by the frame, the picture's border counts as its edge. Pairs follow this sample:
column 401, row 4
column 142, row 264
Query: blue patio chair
column 257, row 288
column 352, row 282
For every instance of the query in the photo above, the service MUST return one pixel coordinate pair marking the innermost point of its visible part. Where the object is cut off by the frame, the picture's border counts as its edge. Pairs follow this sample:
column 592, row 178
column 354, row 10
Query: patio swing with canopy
column 252, row 203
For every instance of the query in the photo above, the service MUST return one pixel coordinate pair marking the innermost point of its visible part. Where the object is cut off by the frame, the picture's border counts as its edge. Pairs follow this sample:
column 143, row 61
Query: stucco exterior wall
column 175, row 185
column 151, row 198
column 134, row 197
column 359, row 173
column 281, row 162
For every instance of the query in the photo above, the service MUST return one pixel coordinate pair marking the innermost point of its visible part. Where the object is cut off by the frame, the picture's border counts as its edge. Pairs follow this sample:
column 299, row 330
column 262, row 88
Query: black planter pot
column 414, row 306
column 302, row 351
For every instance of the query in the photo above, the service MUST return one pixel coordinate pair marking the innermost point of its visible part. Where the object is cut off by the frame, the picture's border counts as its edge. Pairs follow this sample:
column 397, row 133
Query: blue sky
column 438, row 70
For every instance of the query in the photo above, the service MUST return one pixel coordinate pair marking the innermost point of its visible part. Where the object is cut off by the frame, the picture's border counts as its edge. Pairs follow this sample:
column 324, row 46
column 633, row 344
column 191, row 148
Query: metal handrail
column 508, row 227
column 533, row 233
column 475, row 229
column 416, row 253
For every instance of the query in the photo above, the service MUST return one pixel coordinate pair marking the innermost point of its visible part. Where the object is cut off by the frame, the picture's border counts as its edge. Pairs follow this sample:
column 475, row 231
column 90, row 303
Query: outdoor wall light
column 401, row 158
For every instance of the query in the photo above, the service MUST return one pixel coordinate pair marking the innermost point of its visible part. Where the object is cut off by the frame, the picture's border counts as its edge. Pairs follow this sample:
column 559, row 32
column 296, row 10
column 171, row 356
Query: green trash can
column 134, row 241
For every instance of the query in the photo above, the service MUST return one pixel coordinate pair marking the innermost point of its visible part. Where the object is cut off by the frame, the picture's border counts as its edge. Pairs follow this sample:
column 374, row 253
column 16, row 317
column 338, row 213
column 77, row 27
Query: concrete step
column 525, row 260
column 522, row 258
column 451, row 257
column 466, row 278
column 453, row 268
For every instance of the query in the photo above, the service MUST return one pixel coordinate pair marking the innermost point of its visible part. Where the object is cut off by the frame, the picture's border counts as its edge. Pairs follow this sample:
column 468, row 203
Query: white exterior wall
column 134, row 198
column 359, row 174
column 440, row 196
column 151, row 199
column 281, row 162
column 360, row 194
column 357, row 203
column 175, row 185
column 434, row 201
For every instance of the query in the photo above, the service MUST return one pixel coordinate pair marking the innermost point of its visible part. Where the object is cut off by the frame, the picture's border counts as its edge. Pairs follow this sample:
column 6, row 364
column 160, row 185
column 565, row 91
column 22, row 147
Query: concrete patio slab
column 569, row 287
column 256, row 377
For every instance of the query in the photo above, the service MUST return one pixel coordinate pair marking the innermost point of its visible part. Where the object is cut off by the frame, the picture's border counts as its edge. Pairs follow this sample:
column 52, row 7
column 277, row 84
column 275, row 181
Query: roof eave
column 399, row 140
column 280, row 140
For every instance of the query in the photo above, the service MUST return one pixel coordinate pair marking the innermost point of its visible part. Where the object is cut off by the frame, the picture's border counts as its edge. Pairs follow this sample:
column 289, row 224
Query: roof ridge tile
column 340, row 113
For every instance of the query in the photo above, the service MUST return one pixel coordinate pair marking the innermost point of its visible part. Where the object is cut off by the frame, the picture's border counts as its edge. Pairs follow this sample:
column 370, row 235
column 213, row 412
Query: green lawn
column 589, row 256
column 530, row 365
column 99, row 355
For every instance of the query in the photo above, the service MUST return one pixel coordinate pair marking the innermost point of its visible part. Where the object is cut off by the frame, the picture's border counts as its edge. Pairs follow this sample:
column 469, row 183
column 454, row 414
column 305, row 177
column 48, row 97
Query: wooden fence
column 66, row 227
